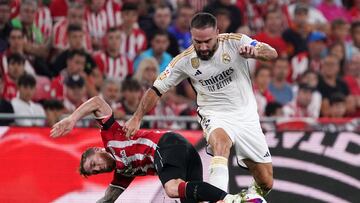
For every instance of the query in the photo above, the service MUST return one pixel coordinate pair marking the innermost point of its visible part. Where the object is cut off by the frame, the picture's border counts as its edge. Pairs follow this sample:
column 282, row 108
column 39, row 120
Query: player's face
column 100, row 162
column 205, row 42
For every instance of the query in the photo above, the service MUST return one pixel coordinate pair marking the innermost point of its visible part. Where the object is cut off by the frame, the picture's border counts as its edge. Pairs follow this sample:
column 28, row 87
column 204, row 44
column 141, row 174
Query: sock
column 219, row 172
column 200, row 191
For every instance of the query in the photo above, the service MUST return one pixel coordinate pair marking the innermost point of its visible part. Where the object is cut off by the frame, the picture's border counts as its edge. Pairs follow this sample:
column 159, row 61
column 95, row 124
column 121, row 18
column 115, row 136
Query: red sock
column 182, row 190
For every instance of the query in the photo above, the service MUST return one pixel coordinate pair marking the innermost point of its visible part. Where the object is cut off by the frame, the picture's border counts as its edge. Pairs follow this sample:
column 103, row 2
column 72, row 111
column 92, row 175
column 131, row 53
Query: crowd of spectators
column 55, row 54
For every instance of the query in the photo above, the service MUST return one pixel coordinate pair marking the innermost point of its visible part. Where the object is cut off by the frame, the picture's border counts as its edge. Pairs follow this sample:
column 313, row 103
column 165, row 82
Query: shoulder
column 182, row 57
column 230, row 36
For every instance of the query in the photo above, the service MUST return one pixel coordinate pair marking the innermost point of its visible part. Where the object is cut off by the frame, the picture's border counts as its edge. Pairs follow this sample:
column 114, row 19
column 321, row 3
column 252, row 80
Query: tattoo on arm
column 111, row 194
column 265, row 51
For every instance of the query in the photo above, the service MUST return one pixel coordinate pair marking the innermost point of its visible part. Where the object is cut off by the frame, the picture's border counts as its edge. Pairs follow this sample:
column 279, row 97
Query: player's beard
column 206, row 54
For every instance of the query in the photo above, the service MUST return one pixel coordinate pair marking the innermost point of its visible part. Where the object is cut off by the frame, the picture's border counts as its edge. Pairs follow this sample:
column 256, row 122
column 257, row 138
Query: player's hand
column 62, row 127
column 131, row 126
column 247, row 51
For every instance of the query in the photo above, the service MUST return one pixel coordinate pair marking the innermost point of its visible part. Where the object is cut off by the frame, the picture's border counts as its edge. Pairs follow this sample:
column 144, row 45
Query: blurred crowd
column 55, row 54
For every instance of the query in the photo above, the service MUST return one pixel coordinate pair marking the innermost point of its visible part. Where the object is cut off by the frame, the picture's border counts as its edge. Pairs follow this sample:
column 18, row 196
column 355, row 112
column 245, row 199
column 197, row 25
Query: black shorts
column 177, row 158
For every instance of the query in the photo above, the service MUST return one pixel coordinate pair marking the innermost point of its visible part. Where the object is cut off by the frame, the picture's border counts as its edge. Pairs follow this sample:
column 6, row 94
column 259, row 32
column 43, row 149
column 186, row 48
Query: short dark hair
column 272, row 107
column 88, row 152
column 337, row 97
column 112, row 29
column 159, row 32
column 75, row 52
column 354, row 26
column 223, row 11
column 16, row 58
column 203, row 20
column 5, row 2
column 130, row 85
column 53, row 104
column 26, row 80
column 129, row 7
column 74, row 28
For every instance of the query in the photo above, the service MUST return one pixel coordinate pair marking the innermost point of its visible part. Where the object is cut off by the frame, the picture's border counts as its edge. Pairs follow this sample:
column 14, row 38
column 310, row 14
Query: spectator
column 75, row 16
column 337, row 105
column 159, row 45
column 110, row 92
column 100, row 16
column 235, row 13
column 24, row 106
column 297, row 34
column 76, row 38
column 147, row 72
column 54, row 109
column 75, row 66
column 262, row 78
column 131, row 94
column 5, row 25
column 299, row 107
column 112, row 64
column 26, row 21
column 330, row 83
column 279, row 87
column 75, row 92
column 15, row 69
column 340, row 33
column 311, row 59
column 5, row 106
column 355, row 36
column 338, row 50
column 17, row 43
column 311, row 78
column 161, row 21
column 223, row 18
column 274, row 109
column 181, row 28
column 271, row 34
column 352, row 79
column 331, row 11
column 133, row 38
column 315, row 19
column 354, row 11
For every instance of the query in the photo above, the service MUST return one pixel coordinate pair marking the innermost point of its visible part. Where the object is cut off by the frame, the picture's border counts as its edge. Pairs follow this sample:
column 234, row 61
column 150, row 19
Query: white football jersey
column 222, row 83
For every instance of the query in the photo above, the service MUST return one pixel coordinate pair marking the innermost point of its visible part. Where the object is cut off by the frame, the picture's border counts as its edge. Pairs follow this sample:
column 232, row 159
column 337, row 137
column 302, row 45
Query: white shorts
column 248, row 138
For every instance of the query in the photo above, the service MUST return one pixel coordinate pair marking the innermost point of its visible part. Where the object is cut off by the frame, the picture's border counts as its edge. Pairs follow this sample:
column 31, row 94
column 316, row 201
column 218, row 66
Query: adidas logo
column 198, row 73
column 267, row 154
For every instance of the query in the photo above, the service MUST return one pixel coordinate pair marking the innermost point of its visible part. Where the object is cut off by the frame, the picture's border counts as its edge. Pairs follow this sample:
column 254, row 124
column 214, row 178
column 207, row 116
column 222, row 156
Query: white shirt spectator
column 22, row 108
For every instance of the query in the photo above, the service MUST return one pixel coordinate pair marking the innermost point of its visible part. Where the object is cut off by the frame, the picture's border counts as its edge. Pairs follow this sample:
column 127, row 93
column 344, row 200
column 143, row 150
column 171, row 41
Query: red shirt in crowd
column 114, row 67
column 133, row 44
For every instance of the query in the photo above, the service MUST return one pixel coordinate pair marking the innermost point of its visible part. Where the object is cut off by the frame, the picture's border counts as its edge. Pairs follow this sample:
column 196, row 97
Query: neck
column 113, row 53
column 331, row 80
column 272, row 33
column 278, row 83
column 127, row 28
column 132, row 105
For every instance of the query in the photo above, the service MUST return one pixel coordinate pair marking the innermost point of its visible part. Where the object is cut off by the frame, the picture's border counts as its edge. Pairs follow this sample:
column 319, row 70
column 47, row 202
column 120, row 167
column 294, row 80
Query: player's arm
column 95, row 105
column 249, row 48
column 172, row 76
column 111, row 194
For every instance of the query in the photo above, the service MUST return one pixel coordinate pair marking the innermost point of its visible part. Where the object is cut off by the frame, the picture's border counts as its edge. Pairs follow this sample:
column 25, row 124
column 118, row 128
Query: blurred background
column 56, row 54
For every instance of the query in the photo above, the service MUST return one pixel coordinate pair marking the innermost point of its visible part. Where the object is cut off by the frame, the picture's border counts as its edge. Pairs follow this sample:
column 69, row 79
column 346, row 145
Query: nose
column 203, row 47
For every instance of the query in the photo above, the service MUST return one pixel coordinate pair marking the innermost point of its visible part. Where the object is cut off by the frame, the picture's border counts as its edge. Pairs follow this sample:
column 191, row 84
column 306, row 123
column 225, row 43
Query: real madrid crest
column 226, row 58
column 195, row 62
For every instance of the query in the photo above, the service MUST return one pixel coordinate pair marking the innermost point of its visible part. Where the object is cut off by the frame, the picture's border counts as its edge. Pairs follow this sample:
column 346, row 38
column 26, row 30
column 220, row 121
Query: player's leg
column 263, row 175
column 220, row 143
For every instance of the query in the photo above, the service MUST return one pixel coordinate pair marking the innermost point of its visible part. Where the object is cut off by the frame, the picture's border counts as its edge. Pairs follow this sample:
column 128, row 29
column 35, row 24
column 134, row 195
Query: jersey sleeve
column 121, row 181
column 170, row 77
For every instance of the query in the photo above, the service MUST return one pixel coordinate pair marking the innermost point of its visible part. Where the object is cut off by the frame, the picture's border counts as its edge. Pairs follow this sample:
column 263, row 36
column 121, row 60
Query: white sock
column 219, row 172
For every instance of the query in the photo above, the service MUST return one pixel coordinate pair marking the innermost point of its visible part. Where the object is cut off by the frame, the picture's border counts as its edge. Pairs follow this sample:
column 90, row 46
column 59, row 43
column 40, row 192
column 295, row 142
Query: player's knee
column 222, row 147
column 171, row 187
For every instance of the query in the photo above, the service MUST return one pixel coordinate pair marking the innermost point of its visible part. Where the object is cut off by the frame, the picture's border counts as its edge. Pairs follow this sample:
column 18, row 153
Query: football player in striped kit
column 150, row 152
column 217, row 68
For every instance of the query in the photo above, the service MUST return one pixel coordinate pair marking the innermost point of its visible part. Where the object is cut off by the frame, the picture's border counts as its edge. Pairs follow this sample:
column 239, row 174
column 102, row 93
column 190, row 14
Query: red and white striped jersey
column 60, row 37
column 108, row 16
column 134, row 156
column 43, row 21
column 133, row 44
column 114, row 67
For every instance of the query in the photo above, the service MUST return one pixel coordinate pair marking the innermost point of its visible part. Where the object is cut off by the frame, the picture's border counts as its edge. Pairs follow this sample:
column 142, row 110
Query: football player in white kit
column 216, row 67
